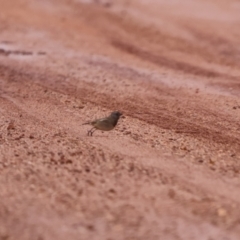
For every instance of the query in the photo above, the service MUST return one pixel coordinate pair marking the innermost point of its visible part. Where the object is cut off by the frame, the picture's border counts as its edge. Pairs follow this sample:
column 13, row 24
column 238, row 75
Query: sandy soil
column 170, row 169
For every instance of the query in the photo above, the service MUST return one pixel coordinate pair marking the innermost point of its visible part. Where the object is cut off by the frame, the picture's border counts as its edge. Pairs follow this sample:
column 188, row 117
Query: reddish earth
column 170, row 169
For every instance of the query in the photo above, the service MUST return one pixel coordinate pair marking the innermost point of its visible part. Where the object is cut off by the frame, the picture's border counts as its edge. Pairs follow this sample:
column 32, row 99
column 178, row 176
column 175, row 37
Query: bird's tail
column 86, row 123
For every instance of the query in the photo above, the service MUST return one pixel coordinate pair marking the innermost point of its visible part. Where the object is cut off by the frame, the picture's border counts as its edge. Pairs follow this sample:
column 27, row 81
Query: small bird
column 104, row 124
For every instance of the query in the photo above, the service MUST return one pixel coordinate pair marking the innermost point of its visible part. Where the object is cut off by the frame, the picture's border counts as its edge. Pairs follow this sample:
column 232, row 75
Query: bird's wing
column 101, row 121
column 95, row 121
column 104, row 124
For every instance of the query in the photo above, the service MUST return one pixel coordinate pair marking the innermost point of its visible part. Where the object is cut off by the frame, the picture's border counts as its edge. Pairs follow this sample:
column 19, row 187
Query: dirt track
column 171, row 168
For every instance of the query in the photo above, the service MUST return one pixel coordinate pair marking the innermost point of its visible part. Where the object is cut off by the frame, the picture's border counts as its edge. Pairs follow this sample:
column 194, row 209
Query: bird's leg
column 93, row 131
column 90, row 131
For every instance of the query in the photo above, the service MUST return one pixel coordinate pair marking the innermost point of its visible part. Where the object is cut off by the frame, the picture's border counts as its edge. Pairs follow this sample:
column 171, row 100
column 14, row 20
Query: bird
column 104, row 124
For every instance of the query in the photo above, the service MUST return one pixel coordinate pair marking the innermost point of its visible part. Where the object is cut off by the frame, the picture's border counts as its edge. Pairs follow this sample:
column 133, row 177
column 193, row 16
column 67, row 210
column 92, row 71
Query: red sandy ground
column 170, row 169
